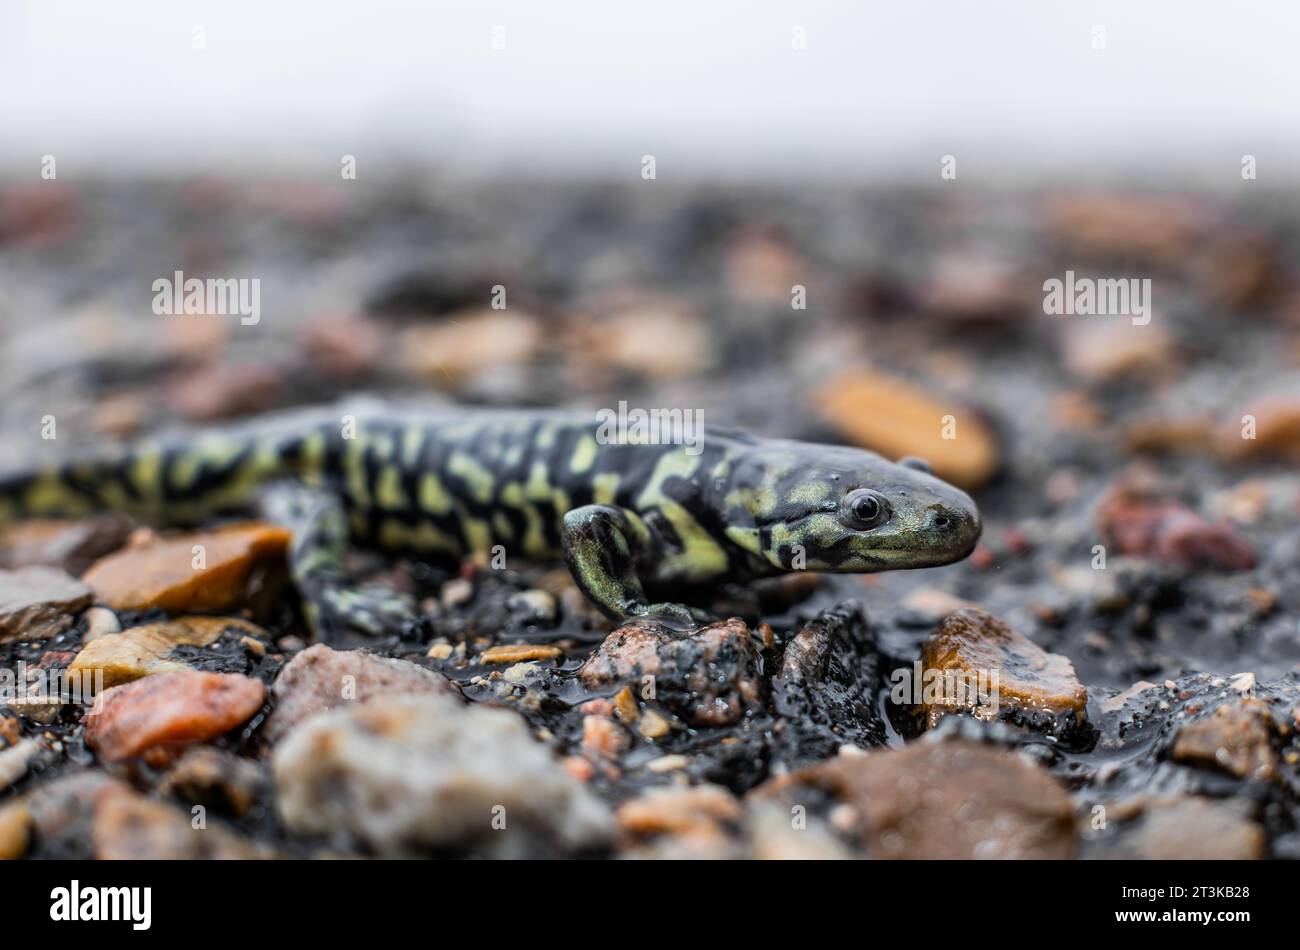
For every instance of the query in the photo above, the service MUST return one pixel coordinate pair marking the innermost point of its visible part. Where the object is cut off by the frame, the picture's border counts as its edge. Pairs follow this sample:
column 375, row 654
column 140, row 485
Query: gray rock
column 38, row 602
column 319, row 679
column 402, row 774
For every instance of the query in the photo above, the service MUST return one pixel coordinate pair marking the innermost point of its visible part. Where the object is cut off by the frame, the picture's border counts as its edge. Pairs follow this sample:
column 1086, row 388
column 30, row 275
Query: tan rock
column 659, row 339
column 895, row 418
column 1194, row 829
column 702, row 821
column 938, row 800
column 142, row 651
column 520, row 652
column 971, row 646
column 1276, row 431
column 15, row 825
column 1107, row 348
column 465, row 344
column 163, row 572
column 168, row 710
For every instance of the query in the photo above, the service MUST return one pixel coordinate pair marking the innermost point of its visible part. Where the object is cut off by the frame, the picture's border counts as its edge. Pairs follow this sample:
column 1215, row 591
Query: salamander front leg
column 332, row 604
column 601, row 543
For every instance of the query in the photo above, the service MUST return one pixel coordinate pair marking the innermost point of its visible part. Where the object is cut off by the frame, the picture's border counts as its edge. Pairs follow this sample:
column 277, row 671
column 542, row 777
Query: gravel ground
column 1129, row 625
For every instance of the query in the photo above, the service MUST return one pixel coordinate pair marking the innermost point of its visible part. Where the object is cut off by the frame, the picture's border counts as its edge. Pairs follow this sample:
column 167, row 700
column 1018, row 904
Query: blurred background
column 825, row 221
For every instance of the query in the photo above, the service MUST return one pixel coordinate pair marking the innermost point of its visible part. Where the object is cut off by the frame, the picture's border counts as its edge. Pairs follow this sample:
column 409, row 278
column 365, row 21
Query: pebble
column 1192, row 829
column 1106, row 349
column 69, row 545
column 215, row 778
column 972, row 643
column 162, row 572
column 100, row 621
column 128, row 826
column 38, row 602
column 143, row 651
column 709, row 675
column 1235, row 738
column 1277, row 431
column 534, row 606
column 15, row 760
column 225, row 390
column 465, row 345
column 955, row 799
column 169, row 709
column 520, row 652
column 896, row 418
column 404, row 773
column 15, row 825
column 1136, row 519
column 703, row 821
column 347, row 347
column 320, row 678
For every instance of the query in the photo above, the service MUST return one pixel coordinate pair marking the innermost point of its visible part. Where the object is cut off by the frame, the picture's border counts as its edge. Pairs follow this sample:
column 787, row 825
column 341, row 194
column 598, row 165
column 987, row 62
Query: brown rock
column 169, row 709
column 162, row 572
column 709, row 675
column 70, row 545
column 520, row 652
column 15, row 822
column 347, row 347
column 223, row 391
column 896, row 419
column 1149, row 228
column 63, row 809
column 10, row 731
column 1235, row 738
column 1164, row 435
column 1135, row 519
column 319, row 678
column 142, row 651
column 943, row 800
column 128, row 826
column 1277, row 431
column 38, row 602
column 972, row 646
column 215, row 778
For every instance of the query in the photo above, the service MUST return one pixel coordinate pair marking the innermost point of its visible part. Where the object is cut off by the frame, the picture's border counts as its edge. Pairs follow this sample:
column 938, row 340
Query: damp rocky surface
column 1113, row 673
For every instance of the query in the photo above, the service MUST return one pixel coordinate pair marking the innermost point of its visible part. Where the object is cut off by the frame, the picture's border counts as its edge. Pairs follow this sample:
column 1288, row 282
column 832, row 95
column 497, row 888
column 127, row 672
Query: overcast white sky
column 588, row 86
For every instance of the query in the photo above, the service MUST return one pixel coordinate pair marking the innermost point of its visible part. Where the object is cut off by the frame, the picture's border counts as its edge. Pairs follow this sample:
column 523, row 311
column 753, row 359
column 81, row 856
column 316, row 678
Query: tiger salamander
column 627, row 518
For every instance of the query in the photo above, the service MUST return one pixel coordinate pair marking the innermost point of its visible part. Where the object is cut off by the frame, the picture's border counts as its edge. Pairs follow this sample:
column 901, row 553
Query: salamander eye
column 864, row 509
column 920, row 464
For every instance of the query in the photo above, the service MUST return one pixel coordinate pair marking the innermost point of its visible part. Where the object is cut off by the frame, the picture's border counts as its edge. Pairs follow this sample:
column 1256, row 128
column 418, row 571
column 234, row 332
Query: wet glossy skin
column 541, row 486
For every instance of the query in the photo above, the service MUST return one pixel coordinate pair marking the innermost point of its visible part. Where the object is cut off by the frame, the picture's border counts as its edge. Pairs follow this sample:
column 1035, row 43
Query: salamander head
column 830, row 508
